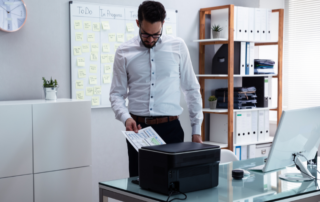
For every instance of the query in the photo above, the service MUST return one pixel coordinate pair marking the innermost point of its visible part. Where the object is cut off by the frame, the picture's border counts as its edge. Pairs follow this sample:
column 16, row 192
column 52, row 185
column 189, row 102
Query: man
column 154, row 67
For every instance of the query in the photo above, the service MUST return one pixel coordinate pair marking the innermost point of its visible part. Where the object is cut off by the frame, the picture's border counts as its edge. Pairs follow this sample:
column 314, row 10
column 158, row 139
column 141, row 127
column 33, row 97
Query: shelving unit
column 230, row 77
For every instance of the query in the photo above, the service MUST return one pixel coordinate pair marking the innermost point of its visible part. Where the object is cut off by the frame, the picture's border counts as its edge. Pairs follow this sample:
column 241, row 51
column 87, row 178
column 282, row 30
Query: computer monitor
column 297, row 138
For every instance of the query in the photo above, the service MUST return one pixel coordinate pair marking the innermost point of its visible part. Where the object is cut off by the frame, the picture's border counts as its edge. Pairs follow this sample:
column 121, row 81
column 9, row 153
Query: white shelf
column 221, row 145
column 258, row 142
column 235, row 75
column 214, row 110
column 224, row 39
column 236, row 110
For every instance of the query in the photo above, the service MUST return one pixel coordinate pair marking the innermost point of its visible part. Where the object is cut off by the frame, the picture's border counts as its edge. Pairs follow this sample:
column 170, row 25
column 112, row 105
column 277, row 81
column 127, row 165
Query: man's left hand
column 196, row 138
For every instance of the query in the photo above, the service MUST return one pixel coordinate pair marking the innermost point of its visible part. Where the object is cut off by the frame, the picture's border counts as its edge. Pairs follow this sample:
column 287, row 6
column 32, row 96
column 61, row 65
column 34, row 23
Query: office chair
column 227, row 156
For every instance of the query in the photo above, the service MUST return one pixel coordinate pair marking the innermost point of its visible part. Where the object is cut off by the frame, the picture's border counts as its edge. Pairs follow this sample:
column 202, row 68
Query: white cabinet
column 16, row 189
column 15, row 140
column 63, row 186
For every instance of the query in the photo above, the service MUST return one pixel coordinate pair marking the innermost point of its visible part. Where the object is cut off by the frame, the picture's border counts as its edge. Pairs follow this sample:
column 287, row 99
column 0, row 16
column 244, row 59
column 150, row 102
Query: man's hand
column 131, row 125
column 196, row 138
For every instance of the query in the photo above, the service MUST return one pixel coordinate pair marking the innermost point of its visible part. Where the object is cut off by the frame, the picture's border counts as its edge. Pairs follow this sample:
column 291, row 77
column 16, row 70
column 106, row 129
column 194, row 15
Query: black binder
column 258, row 82
column 220, row 59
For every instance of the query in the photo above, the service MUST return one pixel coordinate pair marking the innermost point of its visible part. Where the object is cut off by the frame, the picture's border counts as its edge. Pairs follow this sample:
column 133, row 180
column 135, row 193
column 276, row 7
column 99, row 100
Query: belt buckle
column 145, row 120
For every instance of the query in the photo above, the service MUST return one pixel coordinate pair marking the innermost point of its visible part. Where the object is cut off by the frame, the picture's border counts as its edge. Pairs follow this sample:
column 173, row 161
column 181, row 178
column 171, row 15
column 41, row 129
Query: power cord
column 174, row 190
column 294, row 160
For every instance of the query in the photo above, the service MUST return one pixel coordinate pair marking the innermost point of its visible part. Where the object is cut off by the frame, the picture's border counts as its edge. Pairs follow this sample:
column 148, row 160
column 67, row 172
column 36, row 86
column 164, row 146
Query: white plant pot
column 213, row 104
column 215, row 34
column 50, row 93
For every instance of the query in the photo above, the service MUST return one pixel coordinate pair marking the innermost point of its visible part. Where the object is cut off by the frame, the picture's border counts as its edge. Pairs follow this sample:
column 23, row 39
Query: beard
column 149, row 45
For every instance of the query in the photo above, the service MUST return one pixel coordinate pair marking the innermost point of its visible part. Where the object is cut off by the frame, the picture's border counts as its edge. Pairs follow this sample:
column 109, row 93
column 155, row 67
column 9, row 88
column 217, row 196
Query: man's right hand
column 131, row 125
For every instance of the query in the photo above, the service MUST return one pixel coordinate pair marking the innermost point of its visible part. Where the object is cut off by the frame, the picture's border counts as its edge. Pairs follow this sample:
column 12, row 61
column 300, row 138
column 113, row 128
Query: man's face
column 147, row 29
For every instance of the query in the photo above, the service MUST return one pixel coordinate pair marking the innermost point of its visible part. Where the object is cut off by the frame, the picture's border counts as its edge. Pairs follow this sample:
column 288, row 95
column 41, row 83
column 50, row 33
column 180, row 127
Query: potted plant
column 213, row 102
column 50, row 89
column 216, row 29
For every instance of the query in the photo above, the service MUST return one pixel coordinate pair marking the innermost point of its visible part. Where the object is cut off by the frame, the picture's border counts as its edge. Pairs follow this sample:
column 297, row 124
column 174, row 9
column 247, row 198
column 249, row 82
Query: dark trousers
column 170, row 132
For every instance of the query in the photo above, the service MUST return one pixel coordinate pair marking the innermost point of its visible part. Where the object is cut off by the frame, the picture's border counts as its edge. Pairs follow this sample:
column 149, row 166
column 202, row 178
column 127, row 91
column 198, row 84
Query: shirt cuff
column 196, row 129
column 124, row 118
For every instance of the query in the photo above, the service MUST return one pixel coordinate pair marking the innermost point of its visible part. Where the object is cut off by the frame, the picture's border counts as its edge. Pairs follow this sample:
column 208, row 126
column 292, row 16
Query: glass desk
column 254, row 188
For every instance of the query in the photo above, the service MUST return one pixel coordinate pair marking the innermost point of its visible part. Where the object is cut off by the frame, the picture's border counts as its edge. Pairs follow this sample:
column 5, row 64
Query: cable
column 294, row 160
column 173, row 190
column 179, row 198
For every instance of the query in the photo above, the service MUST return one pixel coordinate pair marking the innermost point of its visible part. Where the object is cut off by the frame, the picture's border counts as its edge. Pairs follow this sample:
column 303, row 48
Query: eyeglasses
column 155, row 36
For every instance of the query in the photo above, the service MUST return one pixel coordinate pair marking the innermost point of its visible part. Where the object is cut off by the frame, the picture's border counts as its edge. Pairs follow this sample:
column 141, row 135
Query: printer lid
column 181, row 147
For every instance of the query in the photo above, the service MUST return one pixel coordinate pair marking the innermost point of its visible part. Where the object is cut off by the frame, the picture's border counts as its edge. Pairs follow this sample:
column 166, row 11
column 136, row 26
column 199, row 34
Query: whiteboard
column 101, row 28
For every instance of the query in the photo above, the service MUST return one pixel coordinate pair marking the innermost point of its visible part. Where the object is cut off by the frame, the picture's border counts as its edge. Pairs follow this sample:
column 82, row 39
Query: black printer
column 184, row 167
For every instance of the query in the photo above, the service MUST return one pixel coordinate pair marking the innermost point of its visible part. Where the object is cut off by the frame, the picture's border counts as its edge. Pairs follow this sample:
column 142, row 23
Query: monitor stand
column 305, row 174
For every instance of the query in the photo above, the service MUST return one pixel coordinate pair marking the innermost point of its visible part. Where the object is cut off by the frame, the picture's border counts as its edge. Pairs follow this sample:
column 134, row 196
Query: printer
column 184, row 167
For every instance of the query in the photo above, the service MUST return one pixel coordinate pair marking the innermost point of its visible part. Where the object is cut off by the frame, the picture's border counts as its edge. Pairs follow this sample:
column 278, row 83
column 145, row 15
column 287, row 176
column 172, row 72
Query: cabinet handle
column 263, row 151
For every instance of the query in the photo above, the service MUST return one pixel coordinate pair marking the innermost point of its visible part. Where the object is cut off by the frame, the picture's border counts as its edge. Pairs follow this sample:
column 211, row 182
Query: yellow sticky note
column 95, row 101
column 77, row 50
column 110, row 58
column 169, row 29
column 116, row 46
column 87, row 25
column 96, row 26
column 105, row 47
column 112, row 37
column 130, row 27
column 97, row 90
column 129, row 36
column 79, row 84
column 79, row 36
column 86, row 48
column 120, row 37
column 104, row 58
column 77, row 24
column 107, row 68
column 94, row 47
column 81, row 62
column 106, row 78
column 94, row 56
column 93, row 68
column 105, row 25
column 82, row 73
column 93, row 79
column 80, row 95
column 90, row 37
column 89, row 91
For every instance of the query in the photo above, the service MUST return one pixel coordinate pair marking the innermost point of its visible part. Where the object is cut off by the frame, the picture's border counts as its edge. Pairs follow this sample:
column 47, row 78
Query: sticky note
column 112, row 37
column 77, row 24
column 93, row 79
column 95, row 101
column 80, row 95
column 107, row 58
column 86, row 48
column 107, row 68
column 90, row 37
column 79, row 84
column 106, row 78
column 97, row 90
column 93, row 68
column 96, row 27
column 79, row 36
column 130, row 27
column 110, row 58
column 105, row 47
column 129, row 36
column 105, row 25
column 116, row 46
column 120, row 37
column 82, row 73
column 94, row 47
column 94, row 56
column 89, row 91
column 87, row 25
column 77, row 50
column 81, row 62
column 169, row 29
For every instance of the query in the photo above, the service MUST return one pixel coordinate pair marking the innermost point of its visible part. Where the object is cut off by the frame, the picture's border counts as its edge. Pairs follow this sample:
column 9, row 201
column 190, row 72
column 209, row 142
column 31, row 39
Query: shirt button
column 150, row 108
column 151, row 96
column 152, row 84
column 152, row 72
column 152, row 60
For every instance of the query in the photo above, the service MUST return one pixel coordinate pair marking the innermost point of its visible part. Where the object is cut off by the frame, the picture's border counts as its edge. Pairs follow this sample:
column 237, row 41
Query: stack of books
column 244, row 98
column 263, row 66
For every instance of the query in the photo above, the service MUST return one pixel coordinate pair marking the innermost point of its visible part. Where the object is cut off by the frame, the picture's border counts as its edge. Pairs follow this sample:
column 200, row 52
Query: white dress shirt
column 154, row 77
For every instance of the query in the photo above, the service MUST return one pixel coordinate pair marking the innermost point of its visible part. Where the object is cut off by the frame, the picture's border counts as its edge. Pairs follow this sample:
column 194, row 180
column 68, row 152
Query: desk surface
column 257, row 187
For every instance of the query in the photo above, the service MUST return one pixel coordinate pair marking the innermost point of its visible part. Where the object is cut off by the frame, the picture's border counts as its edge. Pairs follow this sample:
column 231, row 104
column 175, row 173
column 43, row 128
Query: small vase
column 213, row 104
column 215, row 34
column 50, row 93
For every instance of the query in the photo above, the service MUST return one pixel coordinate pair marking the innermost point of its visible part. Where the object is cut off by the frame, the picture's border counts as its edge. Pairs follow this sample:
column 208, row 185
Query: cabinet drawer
column 263, row 149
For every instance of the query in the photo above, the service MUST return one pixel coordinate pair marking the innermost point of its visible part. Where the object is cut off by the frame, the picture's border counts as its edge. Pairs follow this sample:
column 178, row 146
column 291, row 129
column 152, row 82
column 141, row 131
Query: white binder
column 261, row 134
column 251, row 61
column 269, row 12
column 240, row 123
column 251, row 24
column 243, row 58
column 266, row 125
column 254, row 125
column 247, row 58
column 244, row 152
column 251, row 151
column 248, row 134
column 242, row 23
column 257, row 24
column 263, row 20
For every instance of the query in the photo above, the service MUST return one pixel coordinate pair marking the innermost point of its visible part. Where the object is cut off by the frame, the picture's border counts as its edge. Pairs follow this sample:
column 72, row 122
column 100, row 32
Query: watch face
column 12, row 14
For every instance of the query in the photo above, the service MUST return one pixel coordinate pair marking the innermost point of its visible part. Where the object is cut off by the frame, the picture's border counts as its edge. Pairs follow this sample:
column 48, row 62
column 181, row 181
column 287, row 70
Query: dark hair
column 151, row 11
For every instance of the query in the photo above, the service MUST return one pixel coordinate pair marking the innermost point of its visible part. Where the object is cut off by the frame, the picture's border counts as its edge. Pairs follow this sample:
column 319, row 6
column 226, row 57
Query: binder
column 261, row 123
column 251, row 151
column 257, row 24
column 248, row 121
column 242, row 23
column 244, row 152
column 266, row 91
column 240, row 130
column 238, row 152
column 251, row 24
column 269, row 13
column 243, row 58
column 270, row 92
column 266, row 125
column 251, row 62
column 263, row 20
column 247, row 57
column 254, row 126
column 262, row 85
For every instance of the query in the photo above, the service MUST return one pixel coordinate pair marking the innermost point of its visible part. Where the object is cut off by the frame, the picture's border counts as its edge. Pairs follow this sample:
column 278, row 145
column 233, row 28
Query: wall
column 42, row 48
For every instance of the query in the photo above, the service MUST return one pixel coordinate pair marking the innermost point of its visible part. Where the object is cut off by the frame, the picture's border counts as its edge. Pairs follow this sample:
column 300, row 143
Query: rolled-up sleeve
column 191, row 89
column 118, row 90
